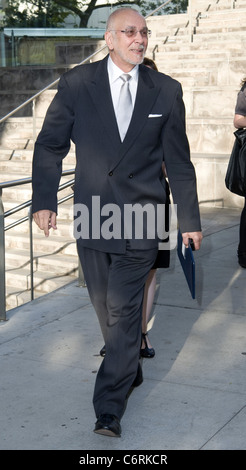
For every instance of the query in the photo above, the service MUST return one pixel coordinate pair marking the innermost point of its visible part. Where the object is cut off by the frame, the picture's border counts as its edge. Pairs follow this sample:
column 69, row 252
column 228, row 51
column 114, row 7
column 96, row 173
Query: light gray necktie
column 124, row 108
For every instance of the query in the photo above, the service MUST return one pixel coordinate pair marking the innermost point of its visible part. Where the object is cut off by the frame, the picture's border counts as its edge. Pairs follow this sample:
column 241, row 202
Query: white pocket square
column 154, row 115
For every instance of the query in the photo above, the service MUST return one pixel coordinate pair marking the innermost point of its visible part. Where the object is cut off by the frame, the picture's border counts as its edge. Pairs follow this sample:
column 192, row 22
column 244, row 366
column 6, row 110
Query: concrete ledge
column 210, row 172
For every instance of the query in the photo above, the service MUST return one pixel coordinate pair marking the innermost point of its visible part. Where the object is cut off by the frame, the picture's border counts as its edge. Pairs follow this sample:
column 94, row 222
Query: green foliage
column 173, row 7
column 34, row 14
column 52, row 13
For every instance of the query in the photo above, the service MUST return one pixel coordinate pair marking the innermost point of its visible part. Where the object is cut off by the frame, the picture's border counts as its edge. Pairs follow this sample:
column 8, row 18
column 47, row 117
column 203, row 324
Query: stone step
column 220, row 36
column 64, row 218
column 5, row 154
column 183, row 38
column 51, row 264
column 16, row 297
column 221, row 15
column 22, row 96
column 222, row 28
column 18, row 130
column 182, row 47
column 11, row 170
column 191, row 64
column 198, row 54
column 190, row 81
column 13, row 122
column 241, row 4
column 26, row 152
column 220, row 5
column 233, row 17
column 52, row 245
column 20, row 280
column 21, row 168
column 7, row 176
column 43, row 281
column 167, row 26
column 64, row 226
column 197, row 80
column 63, row 212
column 17, row 258
column 211, row 28
column 14, row 143
column 24, row 191
column 166, row 22
column 227, row 5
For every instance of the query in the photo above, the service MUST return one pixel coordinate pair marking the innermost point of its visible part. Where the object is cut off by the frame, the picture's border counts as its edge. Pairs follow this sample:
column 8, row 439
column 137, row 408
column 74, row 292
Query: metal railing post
column 34, row 129
column 3, row 52
column 190, row 6
column 2, row 263
column 31, row 251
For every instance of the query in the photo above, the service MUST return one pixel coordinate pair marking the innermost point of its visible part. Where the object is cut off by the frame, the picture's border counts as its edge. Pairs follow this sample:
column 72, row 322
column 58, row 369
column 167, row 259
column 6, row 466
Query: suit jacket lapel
column 147, row 93
column 99, row 89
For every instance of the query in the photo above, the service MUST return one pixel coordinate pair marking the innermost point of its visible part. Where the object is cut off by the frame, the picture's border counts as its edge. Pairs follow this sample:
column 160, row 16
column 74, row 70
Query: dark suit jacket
column 127, row 172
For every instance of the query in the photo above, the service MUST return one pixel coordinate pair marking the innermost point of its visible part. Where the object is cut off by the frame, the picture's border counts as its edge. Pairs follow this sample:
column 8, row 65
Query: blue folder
column 187, row 262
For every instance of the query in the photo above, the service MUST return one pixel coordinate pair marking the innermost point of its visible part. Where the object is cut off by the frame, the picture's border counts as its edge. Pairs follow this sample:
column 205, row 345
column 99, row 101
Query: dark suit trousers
column 115, row 284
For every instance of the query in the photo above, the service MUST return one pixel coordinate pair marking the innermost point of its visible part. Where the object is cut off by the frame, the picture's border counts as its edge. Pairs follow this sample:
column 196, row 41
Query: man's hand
column 45, row 220
column 195, row 236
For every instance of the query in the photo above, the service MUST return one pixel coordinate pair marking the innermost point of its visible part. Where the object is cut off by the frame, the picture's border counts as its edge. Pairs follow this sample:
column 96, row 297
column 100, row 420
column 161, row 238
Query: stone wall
column 18, row 84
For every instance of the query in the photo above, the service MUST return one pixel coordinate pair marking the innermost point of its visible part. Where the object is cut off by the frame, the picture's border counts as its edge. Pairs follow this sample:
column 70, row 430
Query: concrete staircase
column 208, row 59
column 55, row 258
column 210, row 66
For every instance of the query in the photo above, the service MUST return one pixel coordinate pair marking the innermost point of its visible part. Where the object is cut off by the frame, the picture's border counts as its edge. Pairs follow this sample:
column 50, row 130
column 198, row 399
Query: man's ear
column 108, row 39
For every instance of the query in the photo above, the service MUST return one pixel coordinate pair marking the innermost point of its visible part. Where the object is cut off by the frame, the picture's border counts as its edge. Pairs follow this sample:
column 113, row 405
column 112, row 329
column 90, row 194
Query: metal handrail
column 16, row 209
column 34, row 97
column 4, row 228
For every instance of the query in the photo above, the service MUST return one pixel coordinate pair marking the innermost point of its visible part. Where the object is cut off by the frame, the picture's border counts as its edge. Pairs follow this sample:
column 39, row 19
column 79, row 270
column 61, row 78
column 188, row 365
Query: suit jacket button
column 110, row 173
column 131, row 175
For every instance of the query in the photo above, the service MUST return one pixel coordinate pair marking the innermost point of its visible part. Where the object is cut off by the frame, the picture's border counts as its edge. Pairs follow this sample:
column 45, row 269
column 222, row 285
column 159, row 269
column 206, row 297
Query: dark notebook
column 187, row 262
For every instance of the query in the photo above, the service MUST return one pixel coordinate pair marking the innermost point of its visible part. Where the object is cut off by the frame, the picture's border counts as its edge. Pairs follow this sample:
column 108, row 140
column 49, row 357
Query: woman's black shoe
column 103, row 351
column 146, row 352
column 242, row 259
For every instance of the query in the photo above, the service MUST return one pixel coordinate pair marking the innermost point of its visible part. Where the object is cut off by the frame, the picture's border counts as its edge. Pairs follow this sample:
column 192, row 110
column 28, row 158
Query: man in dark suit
column 117, row 169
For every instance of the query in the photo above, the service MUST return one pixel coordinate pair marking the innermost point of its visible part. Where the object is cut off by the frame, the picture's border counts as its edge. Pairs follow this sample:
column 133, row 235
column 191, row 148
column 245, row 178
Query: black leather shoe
column 108, row 425
column 139, row 377
column 103, row 351
column 146, row 352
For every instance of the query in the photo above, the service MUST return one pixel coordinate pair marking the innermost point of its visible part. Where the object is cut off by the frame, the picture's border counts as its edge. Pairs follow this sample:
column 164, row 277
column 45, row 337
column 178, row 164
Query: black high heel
column 102, row 351
column 241, row 258
column 146, row 352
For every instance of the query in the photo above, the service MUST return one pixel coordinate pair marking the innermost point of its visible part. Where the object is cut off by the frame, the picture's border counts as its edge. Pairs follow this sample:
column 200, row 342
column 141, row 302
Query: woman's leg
column 149, row 295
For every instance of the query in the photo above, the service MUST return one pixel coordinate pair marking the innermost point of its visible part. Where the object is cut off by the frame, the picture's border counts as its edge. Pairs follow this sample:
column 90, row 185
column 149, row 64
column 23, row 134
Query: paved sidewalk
column 194, row 390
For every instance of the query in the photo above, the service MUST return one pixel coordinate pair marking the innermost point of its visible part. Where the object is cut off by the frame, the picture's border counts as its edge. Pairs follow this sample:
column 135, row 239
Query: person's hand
column 195, row 236
column 45, row 220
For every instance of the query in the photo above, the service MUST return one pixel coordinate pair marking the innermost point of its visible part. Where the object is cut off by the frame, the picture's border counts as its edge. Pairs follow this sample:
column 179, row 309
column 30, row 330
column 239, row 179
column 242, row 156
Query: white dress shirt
column 115, row 81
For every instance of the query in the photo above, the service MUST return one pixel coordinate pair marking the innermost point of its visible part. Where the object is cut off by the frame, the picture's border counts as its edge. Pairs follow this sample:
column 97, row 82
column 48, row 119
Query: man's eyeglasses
column 132, row 32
